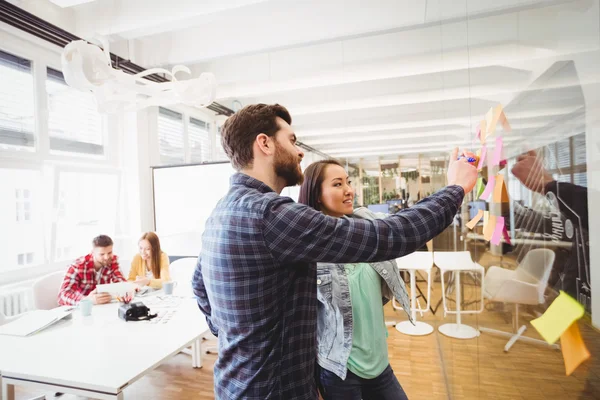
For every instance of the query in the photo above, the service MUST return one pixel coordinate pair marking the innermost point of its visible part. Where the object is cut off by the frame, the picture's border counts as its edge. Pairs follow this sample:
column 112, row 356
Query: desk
column 100, row 355
column 526, row 241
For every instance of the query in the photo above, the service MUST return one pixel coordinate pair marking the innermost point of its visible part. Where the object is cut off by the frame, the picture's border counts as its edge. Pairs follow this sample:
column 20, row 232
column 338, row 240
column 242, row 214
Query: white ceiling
column 383, row 78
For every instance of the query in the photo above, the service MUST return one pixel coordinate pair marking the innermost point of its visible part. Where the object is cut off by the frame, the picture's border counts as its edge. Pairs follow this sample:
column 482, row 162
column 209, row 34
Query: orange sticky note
column 488, row 230
column 489, row 119
column 500, row 193
column 471, row 224
column 573, row 349
column 504, row 121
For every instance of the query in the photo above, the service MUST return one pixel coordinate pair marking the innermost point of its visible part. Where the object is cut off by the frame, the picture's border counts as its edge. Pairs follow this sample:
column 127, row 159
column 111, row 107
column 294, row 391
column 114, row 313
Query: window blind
column 170, row 137
column 74, row 123
column 199, row 141
column 16, row 103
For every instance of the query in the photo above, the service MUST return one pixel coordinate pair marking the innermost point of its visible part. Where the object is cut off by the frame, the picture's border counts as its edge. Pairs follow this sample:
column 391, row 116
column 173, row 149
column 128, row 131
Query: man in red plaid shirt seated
column 98, row 267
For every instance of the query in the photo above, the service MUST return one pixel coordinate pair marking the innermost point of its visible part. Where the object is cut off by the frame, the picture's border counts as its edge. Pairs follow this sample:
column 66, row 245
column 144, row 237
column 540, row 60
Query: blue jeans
column 384, row 387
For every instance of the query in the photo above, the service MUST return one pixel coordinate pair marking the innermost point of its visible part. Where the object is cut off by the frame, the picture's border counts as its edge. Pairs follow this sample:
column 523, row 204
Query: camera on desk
column 135, row 312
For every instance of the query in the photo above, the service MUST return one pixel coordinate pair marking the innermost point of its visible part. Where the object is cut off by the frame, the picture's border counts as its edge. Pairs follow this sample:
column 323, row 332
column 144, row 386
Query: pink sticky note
column 506, row 236
column 482, row 157
column 498, row 231
column 478, row 133
column 497, row 151
column 489, row 188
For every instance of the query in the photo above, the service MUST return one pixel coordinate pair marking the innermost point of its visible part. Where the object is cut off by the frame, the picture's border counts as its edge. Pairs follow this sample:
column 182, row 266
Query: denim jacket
column 334, row 323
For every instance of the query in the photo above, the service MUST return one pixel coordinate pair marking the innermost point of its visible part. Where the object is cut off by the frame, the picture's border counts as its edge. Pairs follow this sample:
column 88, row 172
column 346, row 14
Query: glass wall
column 540, row 62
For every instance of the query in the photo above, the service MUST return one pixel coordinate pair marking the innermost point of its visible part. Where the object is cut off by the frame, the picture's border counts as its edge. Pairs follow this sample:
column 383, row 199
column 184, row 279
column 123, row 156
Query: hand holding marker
column 470, row 157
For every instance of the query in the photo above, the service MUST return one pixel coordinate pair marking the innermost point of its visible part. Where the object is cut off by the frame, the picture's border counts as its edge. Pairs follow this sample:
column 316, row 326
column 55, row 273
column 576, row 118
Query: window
column 16, row 103
column 22, row 232
column 199, row 140
column 23, row 202
column 90, row 204
column 74, row 124
column 25, row 259
column 170, row 137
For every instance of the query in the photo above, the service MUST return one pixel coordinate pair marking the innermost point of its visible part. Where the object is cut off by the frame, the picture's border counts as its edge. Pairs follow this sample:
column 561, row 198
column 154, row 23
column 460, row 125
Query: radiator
column 15, row 301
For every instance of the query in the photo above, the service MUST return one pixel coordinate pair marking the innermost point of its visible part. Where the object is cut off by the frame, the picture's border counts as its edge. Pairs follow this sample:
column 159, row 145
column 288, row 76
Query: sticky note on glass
column 500, row 193
column 482, row 130
column 479, row 188
column 489, row 117
column 573, row 349
column 482, row 157
column 506, row 235
column 489, row 188
column 471, row 224
column 563, row 311
column 503, row 120
column 494, row 116
column 497, row 151
column 488, row 230
column 498, row 229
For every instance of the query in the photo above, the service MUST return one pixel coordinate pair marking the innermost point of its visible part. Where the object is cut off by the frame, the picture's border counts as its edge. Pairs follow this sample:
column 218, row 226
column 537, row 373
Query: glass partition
column 531, row 248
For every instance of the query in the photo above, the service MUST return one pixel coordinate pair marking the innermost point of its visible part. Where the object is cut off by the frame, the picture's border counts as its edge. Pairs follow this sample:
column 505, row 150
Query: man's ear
column 265, row 144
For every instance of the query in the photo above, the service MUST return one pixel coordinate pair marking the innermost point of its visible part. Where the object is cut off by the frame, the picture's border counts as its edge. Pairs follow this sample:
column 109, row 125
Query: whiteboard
column 184, row 198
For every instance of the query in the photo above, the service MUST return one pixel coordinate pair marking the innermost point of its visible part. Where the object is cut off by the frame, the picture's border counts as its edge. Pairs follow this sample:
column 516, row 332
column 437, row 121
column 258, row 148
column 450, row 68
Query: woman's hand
column 142, row 281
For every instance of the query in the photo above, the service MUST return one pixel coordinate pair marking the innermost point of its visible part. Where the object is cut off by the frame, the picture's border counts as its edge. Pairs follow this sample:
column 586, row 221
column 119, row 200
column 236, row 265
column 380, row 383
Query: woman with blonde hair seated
column 151, row 266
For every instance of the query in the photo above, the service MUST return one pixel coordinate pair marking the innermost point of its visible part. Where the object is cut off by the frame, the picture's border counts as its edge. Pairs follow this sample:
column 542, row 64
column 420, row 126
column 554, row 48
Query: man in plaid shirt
column 256, row 276
column 98, row 267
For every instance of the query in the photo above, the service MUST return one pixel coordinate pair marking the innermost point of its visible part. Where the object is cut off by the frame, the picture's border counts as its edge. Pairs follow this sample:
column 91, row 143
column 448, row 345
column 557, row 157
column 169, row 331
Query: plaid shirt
column 256, row 279
column 80, row 279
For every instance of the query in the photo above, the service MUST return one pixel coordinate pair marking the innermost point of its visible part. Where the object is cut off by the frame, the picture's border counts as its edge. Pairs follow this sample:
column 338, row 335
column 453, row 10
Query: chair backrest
column 416, row 260
column 535, row 268
column 182, row 270
column 452, row 259
column 45, row 291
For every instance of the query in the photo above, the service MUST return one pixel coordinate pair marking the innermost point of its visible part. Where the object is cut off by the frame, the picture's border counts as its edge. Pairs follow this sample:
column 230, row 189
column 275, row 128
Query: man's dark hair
column 102, row 241
column 241, row 129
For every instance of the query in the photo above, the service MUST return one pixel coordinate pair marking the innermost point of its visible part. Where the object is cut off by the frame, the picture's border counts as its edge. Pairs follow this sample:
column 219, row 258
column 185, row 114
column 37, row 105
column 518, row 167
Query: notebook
column 34, row 321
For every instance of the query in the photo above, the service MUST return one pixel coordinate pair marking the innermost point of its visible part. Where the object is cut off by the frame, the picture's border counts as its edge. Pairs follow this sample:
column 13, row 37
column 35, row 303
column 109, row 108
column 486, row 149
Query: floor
column 430, row 367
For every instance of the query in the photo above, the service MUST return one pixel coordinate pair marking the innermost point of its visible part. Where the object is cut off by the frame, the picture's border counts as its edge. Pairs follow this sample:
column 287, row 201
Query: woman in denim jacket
column 351, row 333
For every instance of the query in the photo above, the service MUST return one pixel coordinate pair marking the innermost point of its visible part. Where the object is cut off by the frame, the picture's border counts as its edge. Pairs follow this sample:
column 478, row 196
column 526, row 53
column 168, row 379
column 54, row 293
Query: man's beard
column 287, row 167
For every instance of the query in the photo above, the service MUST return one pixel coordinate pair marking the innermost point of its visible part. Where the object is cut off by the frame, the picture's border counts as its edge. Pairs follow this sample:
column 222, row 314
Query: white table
column 100, row 355
column 457, row 262
column 420, row 260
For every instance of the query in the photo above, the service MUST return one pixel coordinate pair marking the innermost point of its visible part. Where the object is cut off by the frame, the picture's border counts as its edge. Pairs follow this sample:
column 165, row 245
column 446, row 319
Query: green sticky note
column 479, row 188
column 561, row 314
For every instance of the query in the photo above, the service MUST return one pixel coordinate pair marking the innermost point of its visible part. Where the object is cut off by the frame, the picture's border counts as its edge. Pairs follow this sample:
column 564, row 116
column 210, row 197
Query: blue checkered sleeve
column 294, row 232
column 202, row 297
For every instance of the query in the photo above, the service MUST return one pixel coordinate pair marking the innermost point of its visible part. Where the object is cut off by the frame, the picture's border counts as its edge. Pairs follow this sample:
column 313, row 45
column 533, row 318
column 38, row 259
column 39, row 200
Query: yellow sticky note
column 563, row 311
column 471, row 224
column 486, row 219
column 488, row 230
column 573, row 349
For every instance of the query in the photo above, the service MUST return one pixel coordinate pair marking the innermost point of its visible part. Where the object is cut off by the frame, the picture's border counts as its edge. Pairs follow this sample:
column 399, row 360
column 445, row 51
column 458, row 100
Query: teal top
column 369, row 353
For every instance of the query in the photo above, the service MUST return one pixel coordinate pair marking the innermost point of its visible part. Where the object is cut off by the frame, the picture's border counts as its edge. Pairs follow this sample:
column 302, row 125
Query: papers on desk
column 116, row 289
column 34, row 321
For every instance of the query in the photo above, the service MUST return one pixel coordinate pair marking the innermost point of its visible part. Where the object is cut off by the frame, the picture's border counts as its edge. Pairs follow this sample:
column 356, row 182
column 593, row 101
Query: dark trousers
column 384, row 387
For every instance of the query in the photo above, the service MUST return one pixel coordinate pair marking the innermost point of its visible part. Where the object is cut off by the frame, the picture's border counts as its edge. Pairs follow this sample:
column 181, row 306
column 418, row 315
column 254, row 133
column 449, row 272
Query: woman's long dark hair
column 311, row 189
